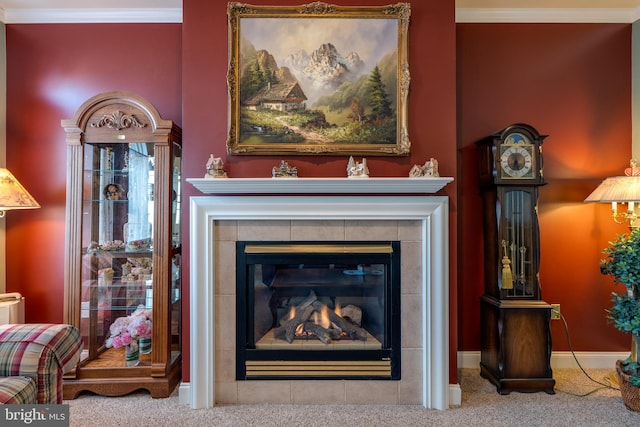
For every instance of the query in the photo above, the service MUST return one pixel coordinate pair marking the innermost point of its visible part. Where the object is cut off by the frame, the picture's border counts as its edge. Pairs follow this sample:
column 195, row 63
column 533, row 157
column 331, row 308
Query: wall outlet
column 555, row 311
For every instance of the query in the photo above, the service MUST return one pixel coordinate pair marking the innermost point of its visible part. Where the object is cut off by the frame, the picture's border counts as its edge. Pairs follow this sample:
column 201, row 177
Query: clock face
column 516, row 161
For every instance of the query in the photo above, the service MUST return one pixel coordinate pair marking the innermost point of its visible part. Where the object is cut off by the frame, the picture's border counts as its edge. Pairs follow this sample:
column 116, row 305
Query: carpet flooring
column 578, row 401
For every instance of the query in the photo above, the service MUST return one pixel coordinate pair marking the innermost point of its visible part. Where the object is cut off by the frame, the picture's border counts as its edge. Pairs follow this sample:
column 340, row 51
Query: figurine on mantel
column 357, row 169
column 215, row 168
column 284, row 171
column 429, row 169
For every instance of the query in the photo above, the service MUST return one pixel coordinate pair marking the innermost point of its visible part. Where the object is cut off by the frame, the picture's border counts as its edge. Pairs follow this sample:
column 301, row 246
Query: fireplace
column 261, row 209
column 318, row 310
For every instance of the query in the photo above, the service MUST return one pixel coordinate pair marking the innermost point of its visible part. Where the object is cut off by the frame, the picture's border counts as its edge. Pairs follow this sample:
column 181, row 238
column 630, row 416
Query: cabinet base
column 523, row 385
column 119, row 386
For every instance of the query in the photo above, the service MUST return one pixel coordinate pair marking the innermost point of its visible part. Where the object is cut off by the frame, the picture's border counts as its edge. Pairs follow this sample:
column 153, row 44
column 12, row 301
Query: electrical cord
column 604, row 385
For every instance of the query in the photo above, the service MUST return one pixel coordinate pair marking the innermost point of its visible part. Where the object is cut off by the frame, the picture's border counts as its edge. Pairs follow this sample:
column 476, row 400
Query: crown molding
column 463, row 15
column 90, row 15
column 551, row 15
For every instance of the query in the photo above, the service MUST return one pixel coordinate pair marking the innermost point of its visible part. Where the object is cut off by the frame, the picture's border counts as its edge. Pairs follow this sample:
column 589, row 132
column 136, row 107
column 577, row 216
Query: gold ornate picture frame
column 318, row 79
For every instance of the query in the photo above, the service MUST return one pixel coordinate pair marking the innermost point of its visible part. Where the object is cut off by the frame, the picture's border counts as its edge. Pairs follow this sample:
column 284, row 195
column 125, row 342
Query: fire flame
column 319, row 318
column 324, row 317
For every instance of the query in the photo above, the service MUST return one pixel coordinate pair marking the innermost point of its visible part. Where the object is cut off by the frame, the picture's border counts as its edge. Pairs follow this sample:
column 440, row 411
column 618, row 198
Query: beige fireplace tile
column 264, row 230
column 225, row 318
column 318, row 392
column 225, row 361
column 410, row 387
column 317, row 230
column 371, row 230
column 372, row 392
column 411, row 321
column 225, row 271
column 226, row 230
column 406, row 391
column 410, row 230
column 252, row 392
column 411, row 267
column 226, row 393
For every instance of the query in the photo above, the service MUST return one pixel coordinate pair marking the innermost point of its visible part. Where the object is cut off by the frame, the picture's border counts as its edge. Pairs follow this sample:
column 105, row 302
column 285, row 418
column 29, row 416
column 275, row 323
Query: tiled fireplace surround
column 419, row 222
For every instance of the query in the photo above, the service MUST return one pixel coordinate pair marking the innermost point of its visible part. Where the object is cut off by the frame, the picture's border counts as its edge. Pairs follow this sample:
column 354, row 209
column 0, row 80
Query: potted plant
column 622, row 262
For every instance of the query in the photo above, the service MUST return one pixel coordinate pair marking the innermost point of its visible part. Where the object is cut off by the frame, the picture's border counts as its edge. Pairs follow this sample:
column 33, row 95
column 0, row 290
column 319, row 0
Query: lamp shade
column 617, row 189
column 13, row 195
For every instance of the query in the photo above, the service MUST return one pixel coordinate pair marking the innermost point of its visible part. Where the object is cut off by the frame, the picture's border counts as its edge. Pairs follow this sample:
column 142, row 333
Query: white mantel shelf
column 239, row 186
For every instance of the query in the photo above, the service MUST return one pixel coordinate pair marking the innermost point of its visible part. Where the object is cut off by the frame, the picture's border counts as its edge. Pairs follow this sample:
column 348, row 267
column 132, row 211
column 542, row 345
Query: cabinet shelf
column 120, row 201
column 119, row 254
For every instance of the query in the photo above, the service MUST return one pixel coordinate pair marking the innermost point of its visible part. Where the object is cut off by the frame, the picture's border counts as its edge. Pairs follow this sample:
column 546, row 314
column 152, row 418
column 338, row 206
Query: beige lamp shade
column 617, row 189
column 13, row 195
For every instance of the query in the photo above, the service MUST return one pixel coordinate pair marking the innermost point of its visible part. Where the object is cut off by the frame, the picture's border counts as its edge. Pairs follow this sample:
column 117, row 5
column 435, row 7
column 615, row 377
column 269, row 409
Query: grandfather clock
column 515, row 334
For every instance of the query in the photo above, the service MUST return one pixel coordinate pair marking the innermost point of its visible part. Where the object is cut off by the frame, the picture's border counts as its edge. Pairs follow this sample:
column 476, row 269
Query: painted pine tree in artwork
column 379, row 99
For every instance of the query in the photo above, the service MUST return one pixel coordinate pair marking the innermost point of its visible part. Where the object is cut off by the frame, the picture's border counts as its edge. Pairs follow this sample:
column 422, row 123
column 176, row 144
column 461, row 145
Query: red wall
column 572, row 82
column 431, row 106
column 51, row 71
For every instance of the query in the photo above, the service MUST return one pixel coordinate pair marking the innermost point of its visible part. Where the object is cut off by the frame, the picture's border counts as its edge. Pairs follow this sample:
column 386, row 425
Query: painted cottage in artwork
column 281, row 97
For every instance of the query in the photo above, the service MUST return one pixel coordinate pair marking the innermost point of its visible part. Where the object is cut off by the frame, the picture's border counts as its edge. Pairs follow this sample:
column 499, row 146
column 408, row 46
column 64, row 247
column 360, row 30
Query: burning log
column 352, row 331
column 288, row 329
column 304, row 311
column 319, row 332
column 310, row 299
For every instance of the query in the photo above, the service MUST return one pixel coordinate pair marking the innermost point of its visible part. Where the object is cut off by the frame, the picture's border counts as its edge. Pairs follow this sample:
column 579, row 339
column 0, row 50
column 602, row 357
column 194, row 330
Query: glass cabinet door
column 175, row 295
column 117, row 273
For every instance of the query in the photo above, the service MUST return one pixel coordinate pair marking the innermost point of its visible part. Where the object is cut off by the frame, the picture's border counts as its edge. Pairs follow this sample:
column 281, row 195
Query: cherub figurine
column 429, row 169
column 215, row 168
column 356, row 169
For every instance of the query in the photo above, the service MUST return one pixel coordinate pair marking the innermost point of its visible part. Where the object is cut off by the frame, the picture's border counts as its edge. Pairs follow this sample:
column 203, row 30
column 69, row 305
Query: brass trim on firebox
column 319, row 368
column 317, row 249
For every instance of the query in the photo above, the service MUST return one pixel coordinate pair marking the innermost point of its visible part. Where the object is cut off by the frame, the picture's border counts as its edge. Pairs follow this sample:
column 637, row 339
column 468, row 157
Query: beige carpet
column 578, row 402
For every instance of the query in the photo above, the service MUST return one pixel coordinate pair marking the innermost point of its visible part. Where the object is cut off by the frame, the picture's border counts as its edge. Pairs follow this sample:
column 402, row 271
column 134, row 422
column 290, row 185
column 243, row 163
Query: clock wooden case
column 515, row 334
column 123, row 245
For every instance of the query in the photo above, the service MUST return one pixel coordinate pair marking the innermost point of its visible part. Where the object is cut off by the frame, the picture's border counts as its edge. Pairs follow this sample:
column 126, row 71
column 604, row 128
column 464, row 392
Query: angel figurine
column 357, row 169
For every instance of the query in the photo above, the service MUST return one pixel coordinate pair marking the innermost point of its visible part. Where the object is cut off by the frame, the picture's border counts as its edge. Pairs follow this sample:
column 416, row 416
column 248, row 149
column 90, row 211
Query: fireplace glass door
column 321, row 310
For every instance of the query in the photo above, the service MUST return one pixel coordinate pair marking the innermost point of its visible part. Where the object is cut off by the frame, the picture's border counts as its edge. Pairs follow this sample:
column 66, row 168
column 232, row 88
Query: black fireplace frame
column 391, row 347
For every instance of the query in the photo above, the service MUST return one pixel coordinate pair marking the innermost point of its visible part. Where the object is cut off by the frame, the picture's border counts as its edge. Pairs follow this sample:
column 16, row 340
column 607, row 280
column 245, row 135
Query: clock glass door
column 518, row 258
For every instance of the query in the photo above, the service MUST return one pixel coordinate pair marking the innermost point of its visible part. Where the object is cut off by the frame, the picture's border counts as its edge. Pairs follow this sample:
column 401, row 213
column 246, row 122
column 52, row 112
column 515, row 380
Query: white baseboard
column 455, row 395
column 184, row 394
column 471, row 360
column 559, row 359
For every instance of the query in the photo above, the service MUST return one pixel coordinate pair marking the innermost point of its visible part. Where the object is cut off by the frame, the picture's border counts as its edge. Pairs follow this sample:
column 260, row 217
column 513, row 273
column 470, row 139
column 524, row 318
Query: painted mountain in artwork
column 325, row 68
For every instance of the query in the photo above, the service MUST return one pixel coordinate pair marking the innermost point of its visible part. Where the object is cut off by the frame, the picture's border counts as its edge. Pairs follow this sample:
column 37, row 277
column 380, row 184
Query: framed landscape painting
column 318, row 79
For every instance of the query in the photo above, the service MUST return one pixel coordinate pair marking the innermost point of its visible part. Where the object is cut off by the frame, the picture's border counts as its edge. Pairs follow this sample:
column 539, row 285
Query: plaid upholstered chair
column 33, row 358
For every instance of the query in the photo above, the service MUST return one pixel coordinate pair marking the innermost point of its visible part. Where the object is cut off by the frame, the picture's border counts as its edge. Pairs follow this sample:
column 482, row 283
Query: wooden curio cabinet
column 123, row 245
